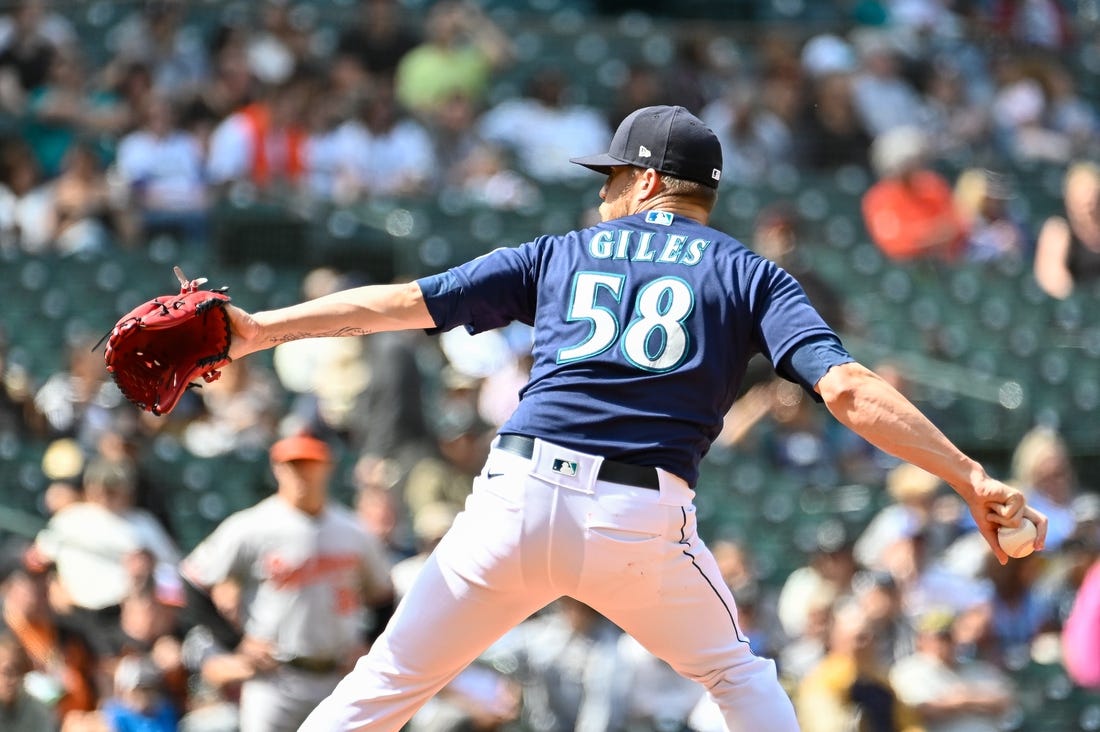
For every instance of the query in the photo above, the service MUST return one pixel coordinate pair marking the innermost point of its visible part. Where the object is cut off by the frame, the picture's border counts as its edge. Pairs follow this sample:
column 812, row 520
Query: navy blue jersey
column 643, row 329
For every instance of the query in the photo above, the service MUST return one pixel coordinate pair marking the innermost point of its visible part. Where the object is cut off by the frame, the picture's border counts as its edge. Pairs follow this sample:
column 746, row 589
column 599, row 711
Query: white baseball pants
column 280, row 700
column 530, row 534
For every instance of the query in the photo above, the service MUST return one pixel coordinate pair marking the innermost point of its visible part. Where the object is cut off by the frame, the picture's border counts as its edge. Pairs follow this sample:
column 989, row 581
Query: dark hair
column 10, row 644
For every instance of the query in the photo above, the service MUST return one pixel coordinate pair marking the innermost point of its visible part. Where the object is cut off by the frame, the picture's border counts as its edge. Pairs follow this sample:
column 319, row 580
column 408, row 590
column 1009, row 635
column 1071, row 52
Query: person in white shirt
column 162, row 167
column 543, row 129
column 90, row 540
column 950, row 694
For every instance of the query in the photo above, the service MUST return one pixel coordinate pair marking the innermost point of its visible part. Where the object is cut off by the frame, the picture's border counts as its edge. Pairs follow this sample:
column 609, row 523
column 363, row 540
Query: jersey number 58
column 655, row 339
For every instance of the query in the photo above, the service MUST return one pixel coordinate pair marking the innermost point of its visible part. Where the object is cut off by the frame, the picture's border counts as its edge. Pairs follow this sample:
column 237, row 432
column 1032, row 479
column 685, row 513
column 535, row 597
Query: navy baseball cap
column 670, row 140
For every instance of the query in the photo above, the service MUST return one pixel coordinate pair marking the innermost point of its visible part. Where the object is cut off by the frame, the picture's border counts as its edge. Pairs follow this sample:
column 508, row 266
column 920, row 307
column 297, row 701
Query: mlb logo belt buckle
column 564, row 467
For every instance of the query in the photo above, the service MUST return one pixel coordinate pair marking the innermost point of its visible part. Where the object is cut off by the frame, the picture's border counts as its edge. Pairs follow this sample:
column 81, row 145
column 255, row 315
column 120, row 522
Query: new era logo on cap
column 671, row 140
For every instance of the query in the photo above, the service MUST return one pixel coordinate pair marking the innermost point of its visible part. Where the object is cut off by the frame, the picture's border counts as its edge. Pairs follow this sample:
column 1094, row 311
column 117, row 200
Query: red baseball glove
column 159, row 348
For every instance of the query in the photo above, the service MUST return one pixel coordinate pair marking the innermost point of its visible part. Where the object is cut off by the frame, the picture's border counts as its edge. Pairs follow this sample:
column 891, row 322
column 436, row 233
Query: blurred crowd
column 906, row 624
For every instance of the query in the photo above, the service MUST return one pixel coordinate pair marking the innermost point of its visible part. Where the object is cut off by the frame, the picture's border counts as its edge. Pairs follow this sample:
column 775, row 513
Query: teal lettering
column 644, row 253
column 622, row 249
column 671, row 252
column 695, row 251
column 600, row 245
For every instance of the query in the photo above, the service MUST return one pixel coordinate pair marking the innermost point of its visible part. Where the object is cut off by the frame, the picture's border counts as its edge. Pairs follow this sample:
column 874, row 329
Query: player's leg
column 682, row 611
column 281, row 700
column 471, row 590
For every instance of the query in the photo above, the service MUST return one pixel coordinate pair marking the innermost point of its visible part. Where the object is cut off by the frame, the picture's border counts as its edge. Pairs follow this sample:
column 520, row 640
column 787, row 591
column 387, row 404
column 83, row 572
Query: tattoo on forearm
column 335, row 333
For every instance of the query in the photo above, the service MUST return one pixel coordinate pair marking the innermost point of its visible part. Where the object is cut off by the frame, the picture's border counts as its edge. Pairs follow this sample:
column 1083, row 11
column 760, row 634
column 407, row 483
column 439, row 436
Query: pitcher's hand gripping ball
column 1018, row 542
column 159, row 348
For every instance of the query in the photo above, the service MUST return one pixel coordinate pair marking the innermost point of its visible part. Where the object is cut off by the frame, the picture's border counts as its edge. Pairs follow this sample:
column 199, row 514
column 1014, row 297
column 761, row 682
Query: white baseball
column 1018, row 542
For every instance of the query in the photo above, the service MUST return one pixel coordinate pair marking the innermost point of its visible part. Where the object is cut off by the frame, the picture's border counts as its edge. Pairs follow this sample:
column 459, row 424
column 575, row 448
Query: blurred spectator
column 78, row 401
column 162, row 166
column 1081, row 632
column 429, row 526
column 26, row 201
column 826, row 54
column 951, row 693
column 462, row 49
column 386, row 152
column 565, row 659
column 1021, row 114
column 754, row 140
column 803, row 649
column 379, row 39
column 30, row 35
column 66, row 107
column 279, row 46
column 1021, row 607
column 380, row 508
column 462, row 440
column 389, row 421
column 1069, row 112
column 155, row 37
column 883, row 98
column 880, row 599
column 499, row 393
column 19, row 711
column 307, row 572
column 849, row 689
column 240, row 411
column 953, row 114
column 150, row 610
column 983, row 198
column 653, row 696
column 927, row 582
column 545, row 127
column 799, row 440
column 328, row 174
column 62, row 672
column 1067, row 252
column 1042, row 469
column 89, row 215
column 324, row 376
column 756, row 605
column 910, row 212
column 90, row 542
column 232, row 85
column 913, row 491
column 15, row 395
column 485, row 177
column 216, row 671
column 644, row 86
column 779, row 234
column 1036, row 23
column 828, row 574
column 829, row 133
column 138, row 702
column 264, row 142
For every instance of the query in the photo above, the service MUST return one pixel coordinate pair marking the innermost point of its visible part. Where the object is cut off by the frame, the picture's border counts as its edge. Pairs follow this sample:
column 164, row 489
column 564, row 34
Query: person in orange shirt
column 910, row 211
column 63, row 667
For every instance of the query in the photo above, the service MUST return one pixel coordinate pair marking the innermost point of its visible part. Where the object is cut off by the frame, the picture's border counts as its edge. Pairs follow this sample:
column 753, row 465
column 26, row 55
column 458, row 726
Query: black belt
column 610, row 470
column 315, row 665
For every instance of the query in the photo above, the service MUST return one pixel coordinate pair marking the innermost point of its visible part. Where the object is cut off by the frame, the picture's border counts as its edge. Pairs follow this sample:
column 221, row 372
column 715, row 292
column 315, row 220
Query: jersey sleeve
column 810, row 359
column 789, row 331
column 485, row 293
column 220, row 556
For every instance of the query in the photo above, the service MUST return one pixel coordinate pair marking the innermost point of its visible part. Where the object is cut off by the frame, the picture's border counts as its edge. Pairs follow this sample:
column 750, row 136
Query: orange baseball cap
column 300, row 447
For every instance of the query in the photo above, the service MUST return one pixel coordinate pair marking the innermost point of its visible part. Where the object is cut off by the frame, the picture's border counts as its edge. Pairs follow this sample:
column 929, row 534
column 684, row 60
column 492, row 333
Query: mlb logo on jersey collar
column 664, row 218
